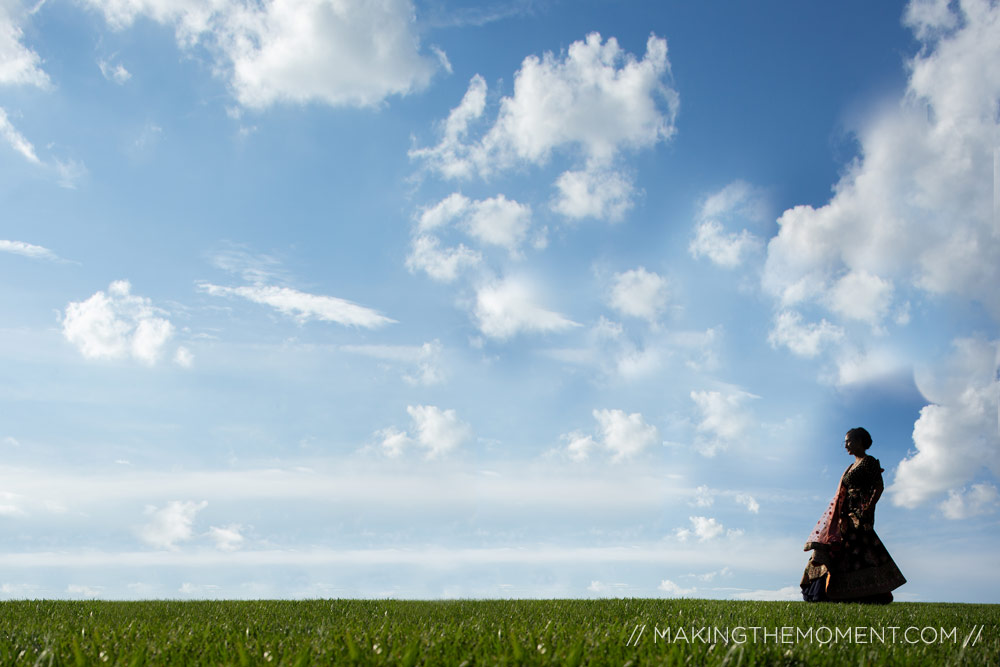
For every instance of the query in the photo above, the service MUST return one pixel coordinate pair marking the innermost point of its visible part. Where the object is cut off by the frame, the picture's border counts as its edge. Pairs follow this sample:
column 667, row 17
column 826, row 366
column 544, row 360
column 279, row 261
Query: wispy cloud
column 767, row 556
column 67, row 172
column 510, row 306
column 303, row 306
column 16, row 140
column 114, row 72
column 736, row 204
column 19, row 65
column 423, row 362
column 28, row 250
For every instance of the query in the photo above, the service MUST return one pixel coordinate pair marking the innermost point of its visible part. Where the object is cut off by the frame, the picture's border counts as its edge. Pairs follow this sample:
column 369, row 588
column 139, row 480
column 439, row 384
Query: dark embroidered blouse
column 861, row 482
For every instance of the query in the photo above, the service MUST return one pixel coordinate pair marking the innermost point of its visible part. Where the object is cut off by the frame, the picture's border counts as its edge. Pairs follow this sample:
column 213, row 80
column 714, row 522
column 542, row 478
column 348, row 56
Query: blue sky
column 309, row 298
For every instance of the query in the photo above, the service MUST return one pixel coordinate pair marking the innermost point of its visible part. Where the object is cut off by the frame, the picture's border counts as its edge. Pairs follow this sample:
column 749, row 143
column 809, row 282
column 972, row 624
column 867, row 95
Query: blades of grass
column 77, row 654
column 411, row 655
column 302, row 659
column 138, row 658
column 575, row 656
column 515, row 647
column 242, row 655
column 352, row 648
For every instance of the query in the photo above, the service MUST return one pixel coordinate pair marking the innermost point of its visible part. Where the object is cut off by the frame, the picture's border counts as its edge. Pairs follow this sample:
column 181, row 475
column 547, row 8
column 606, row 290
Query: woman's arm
column 869, row 509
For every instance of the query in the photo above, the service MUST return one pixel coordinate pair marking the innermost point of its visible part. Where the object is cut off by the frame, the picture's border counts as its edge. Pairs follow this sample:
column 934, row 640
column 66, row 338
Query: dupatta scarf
column 827, row 531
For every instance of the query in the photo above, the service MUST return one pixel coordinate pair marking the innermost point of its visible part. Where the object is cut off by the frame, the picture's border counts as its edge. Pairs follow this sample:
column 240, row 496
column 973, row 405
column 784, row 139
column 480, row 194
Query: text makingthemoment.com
column 794, row 635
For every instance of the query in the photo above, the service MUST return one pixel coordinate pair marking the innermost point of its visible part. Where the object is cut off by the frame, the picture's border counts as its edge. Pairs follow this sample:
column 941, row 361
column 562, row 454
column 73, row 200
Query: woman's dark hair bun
column 860, row 435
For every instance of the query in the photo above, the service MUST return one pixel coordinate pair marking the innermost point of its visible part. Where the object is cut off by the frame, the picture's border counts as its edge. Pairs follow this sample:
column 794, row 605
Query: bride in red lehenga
column 849, row 563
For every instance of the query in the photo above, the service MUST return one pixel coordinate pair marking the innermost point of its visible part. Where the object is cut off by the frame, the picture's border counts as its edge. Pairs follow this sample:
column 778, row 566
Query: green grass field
column 491, row 632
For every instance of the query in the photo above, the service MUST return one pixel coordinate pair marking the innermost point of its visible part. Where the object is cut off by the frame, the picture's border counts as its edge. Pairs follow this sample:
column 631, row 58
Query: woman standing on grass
column 849, row 562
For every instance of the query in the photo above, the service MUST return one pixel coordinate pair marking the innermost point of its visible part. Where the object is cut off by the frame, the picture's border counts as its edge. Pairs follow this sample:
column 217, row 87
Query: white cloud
column 917, row 207
column 16, row 139
column 10, row 510
column 253, row 268
column 739, row 203
column 303, row 306
column 788, row 593
column 633, row 362
column 345, row 483
column 980, row 499
column 183, row 357
column 617, row 355
column 587, row 100
column 710, row 576
column 673, row 590
column 170, row 524
column 494, row 221
column 83, row 591
column 499, row 221
column 67, row 172
column 116, row 73
column 116, row 325
column 727, row 250
column 751, row 504
column 428, row 366
column 724, row 420
column 738, row 200
column 860, row 295
column 27, row 250
column 393, row 441
column 437, row 431
column 442, row 213
column 148, row 338
column 424, row 360
column 443, row 265
column 608, row 590
column 703, row 497
column 508, row 307
column 19, row 65
column 595, row 192
column 958, row 434
column 867, row 365
column 450, row 155
column 621, row 435
column 639, row 293
column 929, row 18
column 624, row 435
column 579, row 445
column 704, row 528
column 336, row 52
column 804, row 340
column 200, row 590
column 227, row 538
column 19, row 591
column 596, row 99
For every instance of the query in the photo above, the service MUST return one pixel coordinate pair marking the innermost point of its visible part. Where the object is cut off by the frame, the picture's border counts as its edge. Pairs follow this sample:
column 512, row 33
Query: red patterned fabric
column 847, row 555
column 827, row 530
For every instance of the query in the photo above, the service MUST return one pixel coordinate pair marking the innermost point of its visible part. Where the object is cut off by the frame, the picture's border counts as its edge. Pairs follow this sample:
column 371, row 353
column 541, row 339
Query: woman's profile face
column 852, row 446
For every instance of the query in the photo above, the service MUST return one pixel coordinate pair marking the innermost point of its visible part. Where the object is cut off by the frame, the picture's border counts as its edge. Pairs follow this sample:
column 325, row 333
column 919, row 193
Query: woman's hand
column 868, row 514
